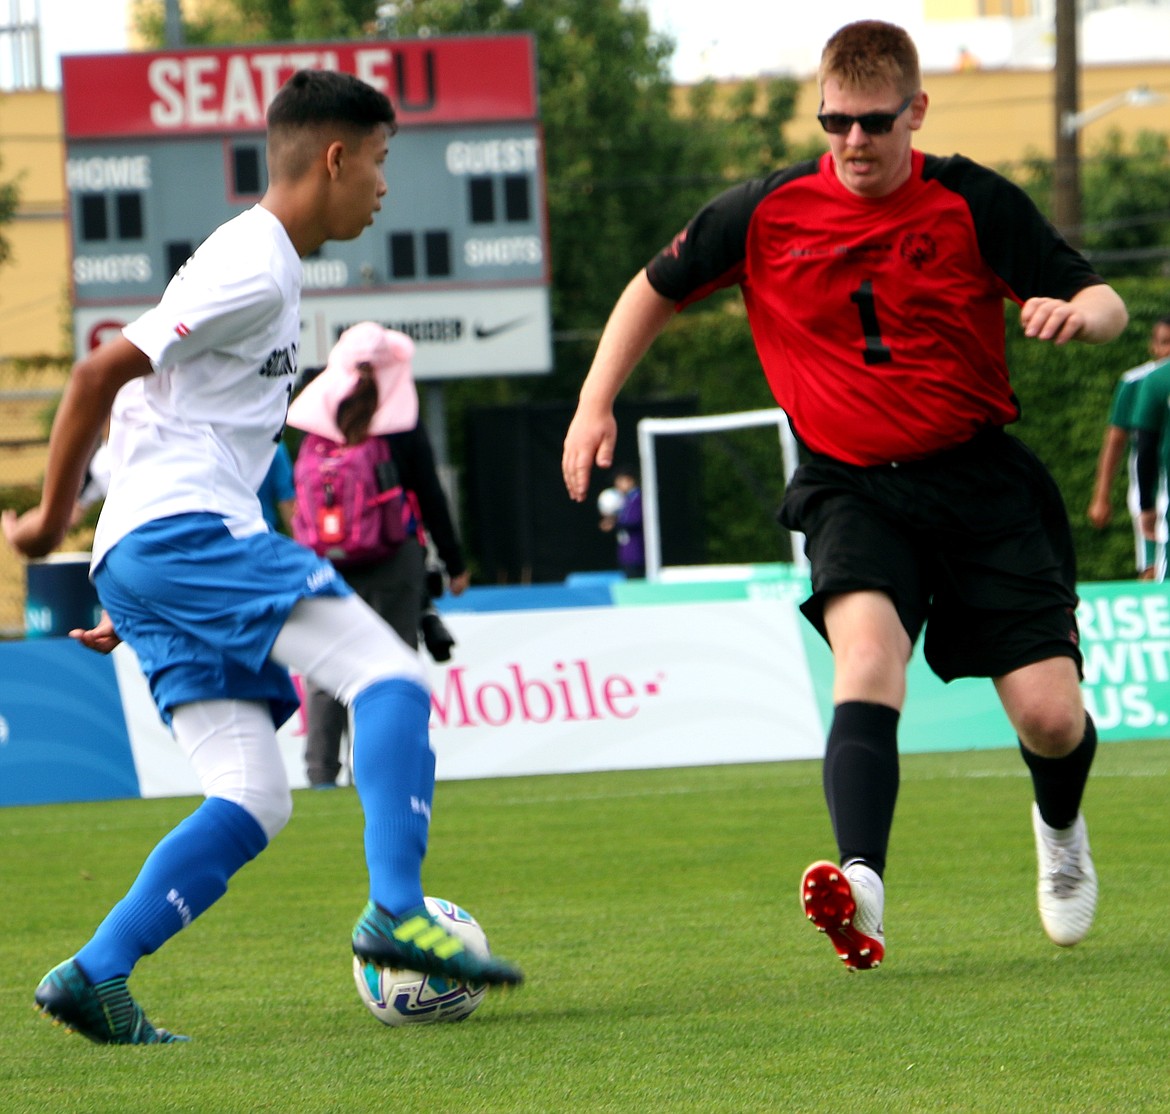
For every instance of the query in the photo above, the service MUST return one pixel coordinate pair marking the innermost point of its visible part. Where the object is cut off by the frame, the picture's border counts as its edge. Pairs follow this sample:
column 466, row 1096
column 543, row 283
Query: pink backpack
column 350, row 506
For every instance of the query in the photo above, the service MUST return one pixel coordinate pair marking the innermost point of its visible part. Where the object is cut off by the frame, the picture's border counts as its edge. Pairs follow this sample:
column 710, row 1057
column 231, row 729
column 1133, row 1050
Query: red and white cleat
column 846, row 904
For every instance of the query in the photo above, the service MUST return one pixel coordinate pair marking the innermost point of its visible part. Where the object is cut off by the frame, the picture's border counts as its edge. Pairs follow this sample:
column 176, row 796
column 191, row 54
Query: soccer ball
column 610, row 501
column 398, row 997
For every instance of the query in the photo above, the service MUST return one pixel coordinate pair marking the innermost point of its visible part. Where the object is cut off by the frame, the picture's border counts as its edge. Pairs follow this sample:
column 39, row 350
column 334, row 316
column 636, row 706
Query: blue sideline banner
column 63, row 733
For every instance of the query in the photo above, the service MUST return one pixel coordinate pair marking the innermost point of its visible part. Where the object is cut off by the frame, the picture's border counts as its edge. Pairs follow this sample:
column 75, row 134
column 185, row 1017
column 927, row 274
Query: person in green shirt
column 1151, row 420
column 1120, row 440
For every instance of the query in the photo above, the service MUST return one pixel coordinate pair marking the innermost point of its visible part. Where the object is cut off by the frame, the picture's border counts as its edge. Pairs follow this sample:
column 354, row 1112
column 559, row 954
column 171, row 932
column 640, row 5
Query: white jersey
column 199, row 433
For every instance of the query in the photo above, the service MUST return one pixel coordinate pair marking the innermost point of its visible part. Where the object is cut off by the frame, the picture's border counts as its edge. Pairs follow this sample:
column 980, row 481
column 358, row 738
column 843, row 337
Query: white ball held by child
column 610, row 501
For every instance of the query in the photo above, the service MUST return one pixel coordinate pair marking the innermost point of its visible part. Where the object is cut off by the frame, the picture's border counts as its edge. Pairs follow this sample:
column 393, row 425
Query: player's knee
column 271, row 808
column 1044, row 703
column 262, row 792
column 870, row 669
column 1051, row 730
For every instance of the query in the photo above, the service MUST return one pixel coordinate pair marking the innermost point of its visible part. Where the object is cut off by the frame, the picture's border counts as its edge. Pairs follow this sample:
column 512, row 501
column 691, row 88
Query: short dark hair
column 313, row 97
column 312, row 102
column 1163, row 320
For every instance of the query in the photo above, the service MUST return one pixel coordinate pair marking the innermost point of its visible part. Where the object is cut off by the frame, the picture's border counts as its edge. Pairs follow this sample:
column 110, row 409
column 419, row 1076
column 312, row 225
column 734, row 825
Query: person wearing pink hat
column 367, row 390
column 369, row 356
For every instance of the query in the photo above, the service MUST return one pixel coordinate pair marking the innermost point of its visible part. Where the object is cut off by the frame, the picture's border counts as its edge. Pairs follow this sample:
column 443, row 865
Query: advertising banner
column 1125, row 637
column 570, row 690
column 664, row 678
column 62, row 731
column 620, row 688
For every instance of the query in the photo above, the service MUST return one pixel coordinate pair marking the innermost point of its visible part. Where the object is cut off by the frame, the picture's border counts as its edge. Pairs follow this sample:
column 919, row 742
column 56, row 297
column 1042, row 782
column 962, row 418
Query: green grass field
column 669, row 968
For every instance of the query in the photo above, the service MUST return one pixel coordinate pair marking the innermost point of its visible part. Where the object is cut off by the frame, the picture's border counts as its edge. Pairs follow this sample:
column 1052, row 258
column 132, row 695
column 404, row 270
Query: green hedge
column 1065, row 395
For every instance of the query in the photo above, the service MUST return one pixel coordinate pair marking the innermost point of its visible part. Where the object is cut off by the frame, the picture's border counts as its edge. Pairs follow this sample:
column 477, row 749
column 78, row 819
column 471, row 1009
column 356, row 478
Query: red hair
column 869, row 53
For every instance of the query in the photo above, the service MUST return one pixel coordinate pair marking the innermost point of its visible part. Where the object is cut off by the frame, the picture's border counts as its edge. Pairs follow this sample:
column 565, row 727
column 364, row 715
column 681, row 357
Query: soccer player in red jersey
column 874, row 280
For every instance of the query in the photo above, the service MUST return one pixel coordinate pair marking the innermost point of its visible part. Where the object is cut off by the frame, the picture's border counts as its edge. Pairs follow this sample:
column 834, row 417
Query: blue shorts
column 202, row 608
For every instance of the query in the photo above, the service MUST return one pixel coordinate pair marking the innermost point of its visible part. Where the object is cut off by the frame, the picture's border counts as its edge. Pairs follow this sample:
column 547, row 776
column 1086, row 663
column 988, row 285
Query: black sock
column 860, row 778
column 1059, row 783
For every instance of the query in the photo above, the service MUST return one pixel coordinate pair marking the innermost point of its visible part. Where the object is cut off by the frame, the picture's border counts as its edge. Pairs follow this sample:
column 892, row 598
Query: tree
column 243, row 21
column 9, row 202
column 1125, row 206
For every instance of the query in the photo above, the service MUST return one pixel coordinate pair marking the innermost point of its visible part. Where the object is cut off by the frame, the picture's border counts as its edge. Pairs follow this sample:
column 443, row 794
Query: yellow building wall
column 1001, row 116
column 34, row 291
column 940, row 10
column 34, row 281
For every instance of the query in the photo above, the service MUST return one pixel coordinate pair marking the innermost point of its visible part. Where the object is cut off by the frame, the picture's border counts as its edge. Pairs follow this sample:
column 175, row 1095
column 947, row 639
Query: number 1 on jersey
column 875, row 351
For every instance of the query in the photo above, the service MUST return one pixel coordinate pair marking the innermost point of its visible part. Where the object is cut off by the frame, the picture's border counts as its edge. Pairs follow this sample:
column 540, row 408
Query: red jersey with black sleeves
column 879, row 322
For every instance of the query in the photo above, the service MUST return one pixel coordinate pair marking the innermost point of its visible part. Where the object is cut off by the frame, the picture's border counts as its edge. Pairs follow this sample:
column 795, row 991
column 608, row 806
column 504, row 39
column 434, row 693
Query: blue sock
column 394, row 772
column 183, row 876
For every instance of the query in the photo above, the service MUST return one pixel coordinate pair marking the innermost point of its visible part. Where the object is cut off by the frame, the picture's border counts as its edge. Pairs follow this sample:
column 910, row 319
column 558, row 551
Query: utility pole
column 173, row 25
column 1066, row 169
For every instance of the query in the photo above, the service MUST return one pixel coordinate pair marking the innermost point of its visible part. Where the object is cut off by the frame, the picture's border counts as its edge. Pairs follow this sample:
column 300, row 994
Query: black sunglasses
column 872, row 123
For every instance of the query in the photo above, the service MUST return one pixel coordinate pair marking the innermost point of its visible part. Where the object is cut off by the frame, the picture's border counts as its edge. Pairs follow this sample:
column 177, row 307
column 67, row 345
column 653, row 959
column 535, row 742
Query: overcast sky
column 741, row 38
column 750, row 36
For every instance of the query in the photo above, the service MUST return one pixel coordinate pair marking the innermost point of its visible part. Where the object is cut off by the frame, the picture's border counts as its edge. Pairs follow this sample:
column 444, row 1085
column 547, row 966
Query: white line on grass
column 803, row 783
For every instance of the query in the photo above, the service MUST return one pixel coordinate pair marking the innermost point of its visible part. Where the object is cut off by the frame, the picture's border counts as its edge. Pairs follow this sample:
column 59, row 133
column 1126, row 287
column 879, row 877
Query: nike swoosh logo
column 484, row 332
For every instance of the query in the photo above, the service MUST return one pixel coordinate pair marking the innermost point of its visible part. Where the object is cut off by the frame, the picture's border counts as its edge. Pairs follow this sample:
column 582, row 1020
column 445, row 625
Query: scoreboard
column 162, row 147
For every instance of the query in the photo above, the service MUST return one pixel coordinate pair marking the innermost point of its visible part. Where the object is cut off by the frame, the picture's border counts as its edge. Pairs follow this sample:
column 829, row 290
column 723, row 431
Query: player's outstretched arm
column 1094, row 315
column 640, row 314
column 81, row 417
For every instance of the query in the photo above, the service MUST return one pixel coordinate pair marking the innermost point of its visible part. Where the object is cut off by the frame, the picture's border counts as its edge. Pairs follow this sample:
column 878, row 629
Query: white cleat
column 1067, row 887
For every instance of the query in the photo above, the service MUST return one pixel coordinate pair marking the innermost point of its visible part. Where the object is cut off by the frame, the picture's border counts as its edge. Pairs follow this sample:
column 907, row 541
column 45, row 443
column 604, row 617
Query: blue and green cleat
column 417, row 942
column 106, row 1013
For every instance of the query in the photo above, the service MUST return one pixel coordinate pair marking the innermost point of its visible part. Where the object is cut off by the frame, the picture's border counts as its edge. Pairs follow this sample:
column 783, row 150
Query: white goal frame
column 649, row 428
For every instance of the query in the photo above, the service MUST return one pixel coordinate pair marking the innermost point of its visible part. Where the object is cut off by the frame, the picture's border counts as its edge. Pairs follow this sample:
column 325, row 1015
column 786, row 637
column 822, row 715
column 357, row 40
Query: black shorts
column 972, row 543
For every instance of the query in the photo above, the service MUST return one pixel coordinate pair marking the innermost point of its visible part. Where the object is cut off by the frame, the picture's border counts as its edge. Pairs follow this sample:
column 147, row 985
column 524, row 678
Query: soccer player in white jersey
column 217, row 607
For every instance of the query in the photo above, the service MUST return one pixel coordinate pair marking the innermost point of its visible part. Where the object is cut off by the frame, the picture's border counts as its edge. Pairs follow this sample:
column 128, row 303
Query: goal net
column 650, row 428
